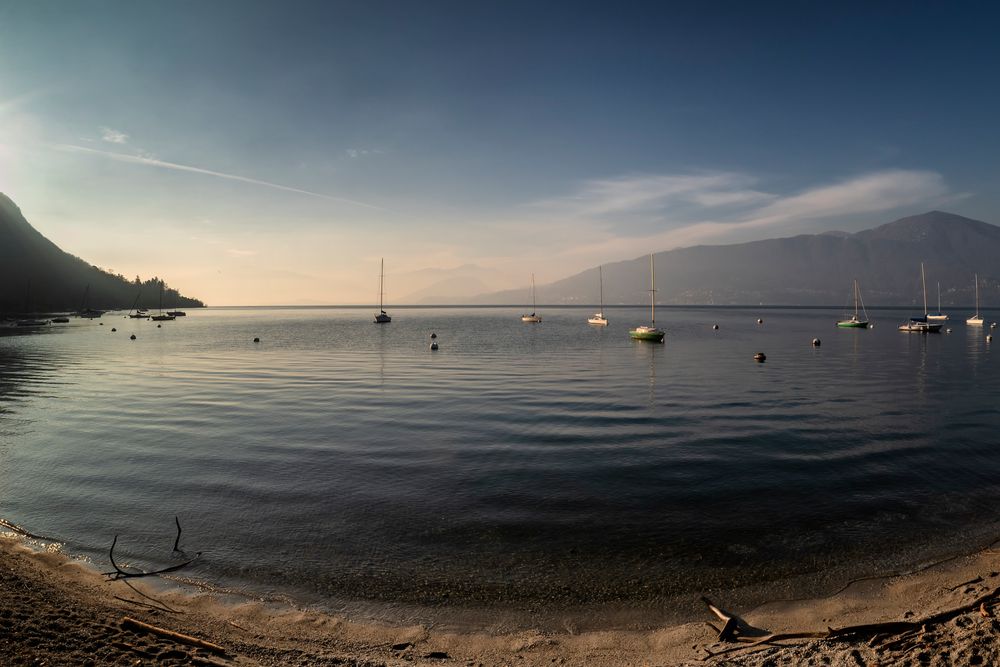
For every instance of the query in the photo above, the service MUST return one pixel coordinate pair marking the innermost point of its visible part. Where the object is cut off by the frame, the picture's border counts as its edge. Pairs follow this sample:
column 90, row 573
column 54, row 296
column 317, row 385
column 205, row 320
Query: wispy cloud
column 113, row 136
column 653, row 192
column 355, row 153
column 148, row 161
column 693, row 209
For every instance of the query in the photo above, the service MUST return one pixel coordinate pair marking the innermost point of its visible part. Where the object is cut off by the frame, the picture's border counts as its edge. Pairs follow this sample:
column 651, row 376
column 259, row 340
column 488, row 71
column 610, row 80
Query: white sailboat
column 977, row 319
column 532, row 317
column 938, row 316
column 650, row 332
column 598, row 317
column 381, row 317
column 921, row 324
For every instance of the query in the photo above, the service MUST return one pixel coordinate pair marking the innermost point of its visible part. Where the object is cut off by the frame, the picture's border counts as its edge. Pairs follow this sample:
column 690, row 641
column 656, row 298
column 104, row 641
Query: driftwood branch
column 120, row 573
column 904, row 630
column 129, row 623
column 178, row 538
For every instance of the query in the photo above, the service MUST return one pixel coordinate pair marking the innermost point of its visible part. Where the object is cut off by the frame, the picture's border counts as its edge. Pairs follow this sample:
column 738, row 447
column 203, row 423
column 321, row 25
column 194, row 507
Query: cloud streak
column 113, row 136
column 162, row 164
column 694, row 209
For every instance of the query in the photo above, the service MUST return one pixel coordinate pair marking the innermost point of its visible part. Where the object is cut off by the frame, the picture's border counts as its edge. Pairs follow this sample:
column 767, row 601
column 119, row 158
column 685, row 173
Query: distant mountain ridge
column 37, row 276
column 809, row 269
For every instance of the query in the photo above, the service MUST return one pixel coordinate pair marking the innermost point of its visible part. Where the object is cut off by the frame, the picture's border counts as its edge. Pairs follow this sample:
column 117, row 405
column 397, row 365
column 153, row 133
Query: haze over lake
column 537, row 469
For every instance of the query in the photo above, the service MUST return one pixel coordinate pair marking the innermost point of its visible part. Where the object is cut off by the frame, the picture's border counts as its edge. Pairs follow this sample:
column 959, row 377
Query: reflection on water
column 532, row 467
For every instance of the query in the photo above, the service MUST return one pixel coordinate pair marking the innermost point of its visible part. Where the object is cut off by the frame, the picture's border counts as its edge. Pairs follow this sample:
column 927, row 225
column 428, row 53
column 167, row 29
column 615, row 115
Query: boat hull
column 852, row 324
column 647, row 334
column 599, row 321
column 531, row 318
column 920, row 327
column 382, row 319
column 975, row 321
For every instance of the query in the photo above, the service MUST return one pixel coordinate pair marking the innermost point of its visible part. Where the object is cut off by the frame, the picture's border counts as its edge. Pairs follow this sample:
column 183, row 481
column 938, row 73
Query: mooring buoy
column 132, row 337
column 434, row 346
column 113, row 330
column 760, row 357
column 256, row 340
column 989, row 339
column 817, row 342
column 434, row 335
column 715, row 327
column 760, row 320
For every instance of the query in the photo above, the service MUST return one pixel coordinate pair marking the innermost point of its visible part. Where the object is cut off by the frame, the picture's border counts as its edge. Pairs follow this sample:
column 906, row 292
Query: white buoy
column 760, row 320
column 715, row 326
column 947, row 330
column 817, row 342
column 989, row 339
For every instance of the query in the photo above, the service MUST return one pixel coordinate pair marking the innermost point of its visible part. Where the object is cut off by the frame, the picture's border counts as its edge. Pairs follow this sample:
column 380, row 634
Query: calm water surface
column 533, row 469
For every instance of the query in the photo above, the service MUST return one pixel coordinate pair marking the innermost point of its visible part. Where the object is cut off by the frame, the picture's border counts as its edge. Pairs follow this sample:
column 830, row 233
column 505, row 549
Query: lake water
column 529, row 472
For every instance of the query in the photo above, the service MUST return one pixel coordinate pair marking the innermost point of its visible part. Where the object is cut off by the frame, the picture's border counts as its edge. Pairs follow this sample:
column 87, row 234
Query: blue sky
column 272, row 152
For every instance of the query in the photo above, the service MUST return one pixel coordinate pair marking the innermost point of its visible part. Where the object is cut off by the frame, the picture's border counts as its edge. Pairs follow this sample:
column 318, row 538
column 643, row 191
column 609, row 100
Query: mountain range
column 810, row 269
column 37, row 276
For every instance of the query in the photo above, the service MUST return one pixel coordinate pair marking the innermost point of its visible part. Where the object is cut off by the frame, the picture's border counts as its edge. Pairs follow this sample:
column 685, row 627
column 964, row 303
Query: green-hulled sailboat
column 855, row 321
column 650, row 333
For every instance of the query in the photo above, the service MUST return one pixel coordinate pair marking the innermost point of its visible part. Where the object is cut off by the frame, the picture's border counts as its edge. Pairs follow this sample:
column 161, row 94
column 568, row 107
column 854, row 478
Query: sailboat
column 977, row 319
column 855, row 322
column 381, row 317
column 650, row 332
column 938, row 316
column 532, row 317
column 598, row 317
column 89, row 313
column 920, row 324
column 161, row 316
column 135, row 312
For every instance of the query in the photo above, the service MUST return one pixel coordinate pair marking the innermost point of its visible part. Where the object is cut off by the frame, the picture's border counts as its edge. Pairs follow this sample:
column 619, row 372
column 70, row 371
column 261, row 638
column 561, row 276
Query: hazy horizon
column 253, row 155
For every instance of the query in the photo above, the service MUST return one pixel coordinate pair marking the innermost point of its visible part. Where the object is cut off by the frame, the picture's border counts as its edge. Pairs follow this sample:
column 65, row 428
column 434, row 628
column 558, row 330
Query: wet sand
column 57, row 611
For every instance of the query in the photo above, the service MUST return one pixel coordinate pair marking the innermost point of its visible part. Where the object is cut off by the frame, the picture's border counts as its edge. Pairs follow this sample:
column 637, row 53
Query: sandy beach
column 57, row 611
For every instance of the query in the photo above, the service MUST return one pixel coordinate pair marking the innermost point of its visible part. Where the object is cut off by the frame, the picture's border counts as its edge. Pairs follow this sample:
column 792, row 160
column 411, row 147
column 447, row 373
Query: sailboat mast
column 939, row 298
column 923, row 282
column 600, row 272
column 381, row 279
column 533, row 307
column 977, row 295
column 652, row 291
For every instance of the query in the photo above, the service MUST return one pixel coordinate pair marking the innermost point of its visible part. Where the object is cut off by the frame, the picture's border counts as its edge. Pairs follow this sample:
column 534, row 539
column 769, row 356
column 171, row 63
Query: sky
column 274, row 152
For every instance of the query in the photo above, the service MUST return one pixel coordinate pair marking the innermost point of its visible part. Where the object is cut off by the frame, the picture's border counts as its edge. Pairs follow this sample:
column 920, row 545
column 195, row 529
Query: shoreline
column 59, row 609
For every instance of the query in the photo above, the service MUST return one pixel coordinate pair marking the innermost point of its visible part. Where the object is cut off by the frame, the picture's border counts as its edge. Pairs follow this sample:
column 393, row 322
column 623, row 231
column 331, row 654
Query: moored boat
column 855, row 321
column 381, row 317
column 921, row 324
column 977, row 319
column 651, row 332
column 532, row 317
column 598, row 317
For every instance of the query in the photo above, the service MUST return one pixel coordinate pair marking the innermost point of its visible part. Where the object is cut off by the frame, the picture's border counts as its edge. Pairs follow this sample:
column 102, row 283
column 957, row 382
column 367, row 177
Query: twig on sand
column 129, row 623
column 906, row 630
